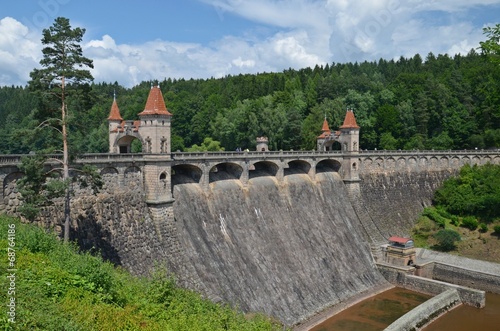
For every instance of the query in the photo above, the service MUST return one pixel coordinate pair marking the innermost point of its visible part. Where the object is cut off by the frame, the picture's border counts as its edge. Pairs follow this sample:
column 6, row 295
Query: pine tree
column 64, row 69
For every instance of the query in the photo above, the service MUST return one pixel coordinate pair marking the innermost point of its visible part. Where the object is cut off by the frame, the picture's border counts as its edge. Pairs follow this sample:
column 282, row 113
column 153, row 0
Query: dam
column 285, row 233
column 287, row 249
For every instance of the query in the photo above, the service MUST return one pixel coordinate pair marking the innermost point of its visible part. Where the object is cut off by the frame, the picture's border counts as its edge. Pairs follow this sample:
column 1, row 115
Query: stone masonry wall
column 389, row 203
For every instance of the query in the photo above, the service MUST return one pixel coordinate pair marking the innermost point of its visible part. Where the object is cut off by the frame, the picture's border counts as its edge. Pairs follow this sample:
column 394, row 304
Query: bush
column 496, row 230
column 483, row 227
column 470, row 223
column 446, row 239
column 434, row 215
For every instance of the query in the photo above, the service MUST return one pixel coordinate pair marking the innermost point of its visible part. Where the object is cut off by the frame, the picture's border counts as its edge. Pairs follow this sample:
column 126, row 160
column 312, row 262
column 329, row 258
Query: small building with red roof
column 400, row 251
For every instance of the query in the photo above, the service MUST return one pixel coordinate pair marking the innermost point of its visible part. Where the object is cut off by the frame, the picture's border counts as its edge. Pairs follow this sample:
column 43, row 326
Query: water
column 374, row 313
column 467, row 318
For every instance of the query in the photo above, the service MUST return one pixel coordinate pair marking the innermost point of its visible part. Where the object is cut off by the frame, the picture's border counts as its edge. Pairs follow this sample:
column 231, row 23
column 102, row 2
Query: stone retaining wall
column 469, row 296
column 466, row 277
column 426, row 312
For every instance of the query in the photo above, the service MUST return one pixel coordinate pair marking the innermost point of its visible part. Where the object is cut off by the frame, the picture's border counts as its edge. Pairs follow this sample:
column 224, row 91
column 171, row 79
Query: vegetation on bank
column 59, row 288
column 465, row 212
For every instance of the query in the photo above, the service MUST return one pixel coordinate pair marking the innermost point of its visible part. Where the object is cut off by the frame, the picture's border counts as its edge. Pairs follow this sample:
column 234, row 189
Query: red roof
column 155, row 105
column 325, row 130
column 399, row 240
column 325, row 126
column 114, row 114
column 349, row 121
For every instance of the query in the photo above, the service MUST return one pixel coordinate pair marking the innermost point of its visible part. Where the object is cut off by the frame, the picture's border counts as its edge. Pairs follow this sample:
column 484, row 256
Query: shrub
column 446, row 239
column 470, row 223
column 483, row 227
column 496, row 230
column 434, row 215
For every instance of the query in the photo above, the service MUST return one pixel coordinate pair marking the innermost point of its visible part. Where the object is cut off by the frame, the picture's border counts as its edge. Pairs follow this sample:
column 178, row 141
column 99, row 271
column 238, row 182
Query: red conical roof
column 114, row 114
column 349, row 121
column 155, row 105
column 325, row 130
column 325, row 126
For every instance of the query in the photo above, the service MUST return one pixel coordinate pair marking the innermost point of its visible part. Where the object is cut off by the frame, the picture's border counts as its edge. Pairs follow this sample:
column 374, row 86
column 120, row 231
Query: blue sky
column 133, row 41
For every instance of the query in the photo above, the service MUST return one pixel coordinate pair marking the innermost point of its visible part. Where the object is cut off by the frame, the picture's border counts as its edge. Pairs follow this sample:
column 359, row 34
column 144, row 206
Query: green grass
column 59, row 288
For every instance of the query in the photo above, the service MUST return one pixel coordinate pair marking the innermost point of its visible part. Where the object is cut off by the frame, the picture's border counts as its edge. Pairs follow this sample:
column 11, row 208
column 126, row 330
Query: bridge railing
column 14, row 159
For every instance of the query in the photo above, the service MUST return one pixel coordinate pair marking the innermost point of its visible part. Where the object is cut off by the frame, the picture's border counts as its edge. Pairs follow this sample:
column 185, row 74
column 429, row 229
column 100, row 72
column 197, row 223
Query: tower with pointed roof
column 114, row 123
column 349, row 134
column 154, row 127
column 348, row 137
column 349, row 140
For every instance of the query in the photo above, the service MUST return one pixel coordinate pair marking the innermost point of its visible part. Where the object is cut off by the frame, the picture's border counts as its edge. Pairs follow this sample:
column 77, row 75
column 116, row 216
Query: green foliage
column 470, row 223
column 207, row 145
column 475, row 192
column 491, row 47
column 483, row 227
column 434, row 214
column 36, row 186
column 446, row 239
column 439, row 103
column 496, row 230
column 60, row 288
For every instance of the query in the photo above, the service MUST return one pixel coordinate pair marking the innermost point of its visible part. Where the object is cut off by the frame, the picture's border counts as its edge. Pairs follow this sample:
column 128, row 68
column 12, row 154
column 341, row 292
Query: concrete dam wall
column 287, row 249
column 388, row 203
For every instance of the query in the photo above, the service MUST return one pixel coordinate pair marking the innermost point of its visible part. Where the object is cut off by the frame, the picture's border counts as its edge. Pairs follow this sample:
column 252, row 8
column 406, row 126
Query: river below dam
column 379, row 311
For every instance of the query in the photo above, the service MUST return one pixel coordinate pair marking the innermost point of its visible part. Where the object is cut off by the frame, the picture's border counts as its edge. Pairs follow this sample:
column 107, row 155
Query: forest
column 436, row 102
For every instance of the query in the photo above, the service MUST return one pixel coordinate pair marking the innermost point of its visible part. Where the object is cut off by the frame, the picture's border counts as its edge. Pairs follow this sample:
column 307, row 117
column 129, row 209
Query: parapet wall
column 466, row 277
column 426, row 312
column 405, row 279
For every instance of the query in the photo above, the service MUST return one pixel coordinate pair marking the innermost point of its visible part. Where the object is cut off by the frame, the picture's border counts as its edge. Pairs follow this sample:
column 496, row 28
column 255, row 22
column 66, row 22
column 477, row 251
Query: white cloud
column 291, row 33
column 18, row 53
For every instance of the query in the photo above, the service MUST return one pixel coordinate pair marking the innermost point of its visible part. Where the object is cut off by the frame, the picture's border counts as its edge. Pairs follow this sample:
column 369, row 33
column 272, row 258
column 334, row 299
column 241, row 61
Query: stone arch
column 455, row 162
column 433, row 162
column 109, row 171
column 378, row 164
column 186, row 173
column 297, row 167
column 423, row 163
column 390, row 163
column 412, row 163
column 225, row 171
column 262, row 168
column 328, row 165
column 367, row 165
column 486, row 160
column 444, row 161
column 401, row 163
column 476, row 160
column 124, row 143
column 132, row 171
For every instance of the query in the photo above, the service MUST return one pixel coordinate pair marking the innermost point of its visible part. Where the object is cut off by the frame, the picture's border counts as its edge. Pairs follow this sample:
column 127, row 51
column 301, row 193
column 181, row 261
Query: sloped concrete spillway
column 286, row 249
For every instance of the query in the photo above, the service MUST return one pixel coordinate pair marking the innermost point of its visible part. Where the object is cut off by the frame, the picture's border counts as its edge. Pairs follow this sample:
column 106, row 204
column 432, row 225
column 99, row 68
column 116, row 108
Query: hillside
column 55, row 287
column 439, row 102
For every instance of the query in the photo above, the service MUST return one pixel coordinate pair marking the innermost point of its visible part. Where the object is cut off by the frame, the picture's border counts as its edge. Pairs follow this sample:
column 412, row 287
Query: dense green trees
column 475, row 192
column 439, row 102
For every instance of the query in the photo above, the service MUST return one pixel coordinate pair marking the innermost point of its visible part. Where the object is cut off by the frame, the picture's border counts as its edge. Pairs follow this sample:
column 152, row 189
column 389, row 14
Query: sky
column 134, row 41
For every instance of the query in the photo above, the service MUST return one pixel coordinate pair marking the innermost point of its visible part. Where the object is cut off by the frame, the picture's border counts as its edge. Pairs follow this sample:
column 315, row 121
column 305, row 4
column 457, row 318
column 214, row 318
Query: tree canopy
column 431, row 102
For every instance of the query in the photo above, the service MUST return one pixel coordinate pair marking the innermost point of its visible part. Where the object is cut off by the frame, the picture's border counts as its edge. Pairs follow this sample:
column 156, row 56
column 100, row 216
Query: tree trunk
column 67, row 220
